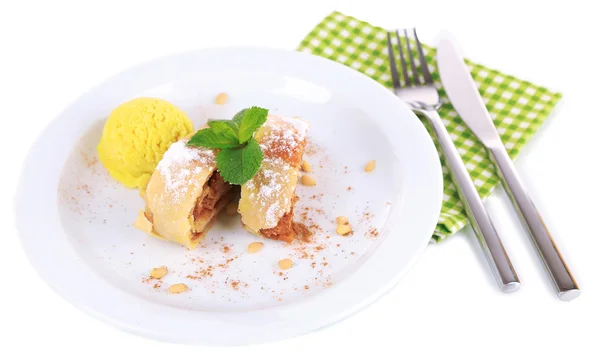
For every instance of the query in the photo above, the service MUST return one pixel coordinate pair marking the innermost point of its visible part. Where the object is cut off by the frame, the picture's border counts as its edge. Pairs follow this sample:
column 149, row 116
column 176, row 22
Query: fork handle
column 484, row 229
column 564, row 282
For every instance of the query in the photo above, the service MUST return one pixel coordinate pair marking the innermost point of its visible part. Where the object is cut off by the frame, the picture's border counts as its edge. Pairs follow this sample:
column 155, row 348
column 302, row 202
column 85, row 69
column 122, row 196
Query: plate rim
column 130, row 324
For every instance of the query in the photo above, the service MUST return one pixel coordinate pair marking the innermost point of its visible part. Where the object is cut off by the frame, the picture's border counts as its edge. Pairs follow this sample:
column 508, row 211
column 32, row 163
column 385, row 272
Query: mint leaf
column 215, row 139
column 225, row 128
column 220, row 124
column 239, row 165
column 249, row 120
column 237, row 118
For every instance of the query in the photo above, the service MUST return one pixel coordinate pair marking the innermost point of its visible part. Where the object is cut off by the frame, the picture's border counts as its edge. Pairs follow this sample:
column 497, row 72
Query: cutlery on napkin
column 518, row 107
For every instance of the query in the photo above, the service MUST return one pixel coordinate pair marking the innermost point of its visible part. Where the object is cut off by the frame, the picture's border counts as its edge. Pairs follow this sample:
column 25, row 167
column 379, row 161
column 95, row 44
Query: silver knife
column 465, row 98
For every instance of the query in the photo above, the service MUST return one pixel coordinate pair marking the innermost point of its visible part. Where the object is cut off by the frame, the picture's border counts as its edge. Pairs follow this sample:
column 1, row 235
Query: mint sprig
column 240, row 164
column 240, row 156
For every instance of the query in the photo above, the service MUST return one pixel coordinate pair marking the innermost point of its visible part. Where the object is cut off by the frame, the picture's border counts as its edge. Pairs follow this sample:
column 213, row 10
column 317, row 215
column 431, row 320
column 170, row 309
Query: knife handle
column 564, row 282
column 484, row 229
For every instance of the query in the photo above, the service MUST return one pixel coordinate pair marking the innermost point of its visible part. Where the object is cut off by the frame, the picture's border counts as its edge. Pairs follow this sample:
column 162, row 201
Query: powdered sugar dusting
column 268, row 189
column 176, row 170
column 283, row 137
column 272, row 181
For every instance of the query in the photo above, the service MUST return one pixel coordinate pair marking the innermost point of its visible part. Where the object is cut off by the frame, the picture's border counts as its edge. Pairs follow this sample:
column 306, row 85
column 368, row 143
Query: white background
column 448, row 305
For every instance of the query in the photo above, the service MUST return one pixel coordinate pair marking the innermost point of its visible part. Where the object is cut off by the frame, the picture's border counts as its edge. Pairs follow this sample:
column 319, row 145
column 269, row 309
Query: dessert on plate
column 184, row 195
column 267, row 200
column 187, row 179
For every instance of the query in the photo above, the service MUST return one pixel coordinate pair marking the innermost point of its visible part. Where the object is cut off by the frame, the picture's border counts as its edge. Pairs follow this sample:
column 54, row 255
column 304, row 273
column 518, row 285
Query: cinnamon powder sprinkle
column 372, row 233
column 235, row 285
column 85, row 188
column 316, row 228
column 303, row 233
column 316, row 197
column 88, row 162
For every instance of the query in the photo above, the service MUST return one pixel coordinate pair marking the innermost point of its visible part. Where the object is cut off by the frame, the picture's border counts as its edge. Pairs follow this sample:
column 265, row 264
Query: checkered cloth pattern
column 517, row 107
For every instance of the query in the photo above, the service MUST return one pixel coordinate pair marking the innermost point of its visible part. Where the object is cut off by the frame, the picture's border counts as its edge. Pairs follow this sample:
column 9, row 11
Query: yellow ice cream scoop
column 136, row 135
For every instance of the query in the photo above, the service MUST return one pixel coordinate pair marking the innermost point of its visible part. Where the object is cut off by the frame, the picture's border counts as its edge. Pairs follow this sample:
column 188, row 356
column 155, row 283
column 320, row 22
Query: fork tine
column 412, row 60
column 402, row 61
column 393, row 69
column 426, row 73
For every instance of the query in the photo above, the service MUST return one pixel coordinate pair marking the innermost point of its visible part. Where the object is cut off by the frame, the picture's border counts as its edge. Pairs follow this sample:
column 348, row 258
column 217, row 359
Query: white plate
column 75, row 221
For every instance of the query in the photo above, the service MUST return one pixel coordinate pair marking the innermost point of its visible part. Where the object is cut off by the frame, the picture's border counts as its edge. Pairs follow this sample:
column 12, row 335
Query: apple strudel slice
column 267, row 200
column 184, row 196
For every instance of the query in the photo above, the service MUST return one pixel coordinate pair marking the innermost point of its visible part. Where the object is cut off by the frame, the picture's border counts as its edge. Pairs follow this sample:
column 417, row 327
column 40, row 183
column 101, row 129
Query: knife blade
column 463, row 93
column 468, row 103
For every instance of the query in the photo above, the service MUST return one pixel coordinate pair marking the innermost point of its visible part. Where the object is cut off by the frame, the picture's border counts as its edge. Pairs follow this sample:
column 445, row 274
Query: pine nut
column 178, row 288
column 221, row 99
column 285, row 264
column 255, row 247
column 308, row 181
column 159, row 272
column 343, row 229
column 370, row 166
column 305, row 166
column 341, row 220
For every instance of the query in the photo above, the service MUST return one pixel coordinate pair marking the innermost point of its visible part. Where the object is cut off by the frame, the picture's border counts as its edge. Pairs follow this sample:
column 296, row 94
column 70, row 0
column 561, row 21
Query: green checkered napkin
column 517, row 107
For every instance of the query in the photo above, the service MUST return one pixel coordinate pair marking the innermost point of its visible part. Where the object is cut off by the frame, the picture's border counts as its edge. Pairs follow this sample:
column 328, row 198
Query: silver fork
column 422, row 97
